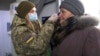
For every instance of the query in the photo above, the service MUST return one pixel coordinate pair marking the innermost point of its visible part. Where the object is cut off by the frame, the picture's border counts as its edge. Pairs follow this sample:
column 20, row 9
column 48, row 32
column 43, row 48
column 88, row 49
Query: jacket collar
column 18, row 21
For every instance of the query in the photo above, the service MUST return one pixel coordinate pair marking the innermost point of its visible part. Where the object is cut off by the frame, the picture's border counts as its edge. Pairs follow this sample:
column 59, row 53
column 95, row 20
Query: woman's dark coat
column 78, row 37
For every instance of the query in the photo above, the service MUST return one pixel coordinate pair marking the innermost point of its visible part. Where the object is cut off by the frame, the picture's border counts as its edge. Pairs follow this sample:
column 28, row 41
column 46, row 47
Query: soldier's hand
column 53, row 17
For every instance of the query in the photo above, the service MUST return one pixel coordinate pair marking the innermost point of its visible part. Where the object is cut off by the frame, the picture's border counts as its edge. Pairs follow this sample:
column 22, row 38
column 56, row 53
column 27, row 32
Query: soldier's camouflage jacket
column 29, row 43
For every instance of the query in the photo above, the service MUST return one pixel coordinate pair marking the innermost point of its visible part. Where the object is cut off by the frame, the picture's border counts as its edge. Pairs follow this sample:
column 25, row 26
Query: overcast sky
column 92, row 7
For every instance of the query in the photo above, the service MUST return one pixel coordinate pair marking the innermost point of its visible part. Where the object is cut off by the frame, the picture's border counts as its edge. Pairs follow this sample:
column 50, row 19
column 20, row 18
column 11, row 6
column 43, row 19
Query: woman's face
column 32, row 11
column 64, row 15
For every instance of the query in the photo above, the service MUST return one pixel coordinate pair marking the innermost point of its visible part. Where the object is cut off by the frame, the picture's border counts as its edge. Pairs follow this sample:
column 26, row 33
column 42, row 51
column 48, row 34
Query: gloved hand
column 53, row 17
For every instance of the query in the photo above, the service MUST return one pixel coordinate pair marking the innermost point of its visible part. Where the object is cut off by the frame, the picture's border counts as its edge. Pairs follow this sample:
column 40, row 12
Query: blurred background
column 44, row 8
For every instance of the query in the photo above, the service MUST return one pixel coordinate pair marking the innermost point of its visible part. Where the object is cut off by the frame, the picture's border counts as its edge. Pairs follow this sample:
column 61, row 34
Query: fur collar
column 86, row 21
column 73, row 23
column 81, row 22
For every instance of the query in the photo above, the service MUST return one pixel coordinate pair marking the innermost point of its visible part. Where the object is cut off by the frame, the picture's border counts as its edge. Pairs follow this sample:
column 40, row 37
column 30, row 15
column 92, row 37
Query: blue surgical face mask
column 33, row 17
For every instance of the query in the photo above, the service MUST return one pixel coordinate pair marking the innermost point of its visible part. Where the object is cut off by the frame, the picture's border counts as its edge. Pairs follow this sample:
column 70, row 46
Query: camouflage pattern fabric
column 29, row 43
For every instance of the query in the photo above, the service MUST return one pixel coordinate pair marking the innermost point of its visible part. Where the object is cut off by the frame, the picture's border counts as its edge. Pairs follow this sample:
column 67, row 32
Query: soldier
column 29, row 36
